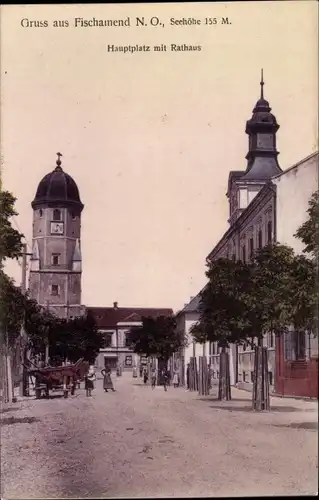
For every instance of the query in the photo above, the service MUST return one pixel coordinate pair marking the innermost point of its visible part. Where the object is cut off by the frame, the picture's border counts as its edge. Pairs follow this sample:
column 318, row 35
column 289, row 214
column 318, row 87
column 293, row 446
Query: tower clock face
column 57, row 228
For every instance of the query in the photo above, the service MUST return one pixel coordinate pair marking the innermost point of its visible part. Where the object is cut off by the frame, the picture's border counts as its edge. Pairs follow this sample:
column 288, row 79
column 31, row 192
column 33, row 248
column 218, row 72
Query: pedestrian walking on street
column 145, row 376
column 107, row 381
column 175, row 379
column 153, row 378
column 134, row 372
column 141, row 371
column 165, row 379
column 90, row 378
column 187, row 376
column 169, row 377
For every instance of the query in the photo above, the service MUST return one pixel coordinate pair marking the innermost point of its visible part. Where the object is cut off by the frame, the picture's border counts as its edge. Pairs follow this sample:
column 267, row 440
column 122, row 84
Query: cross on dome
column 58, row 162
column 262, row 83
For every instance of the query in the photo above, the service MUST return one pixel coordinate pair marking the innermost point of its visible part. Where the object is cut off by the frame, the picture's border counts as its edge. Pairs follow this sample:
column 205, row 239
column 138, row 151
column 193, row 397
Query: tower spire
column 262, row 83
column 58, row 162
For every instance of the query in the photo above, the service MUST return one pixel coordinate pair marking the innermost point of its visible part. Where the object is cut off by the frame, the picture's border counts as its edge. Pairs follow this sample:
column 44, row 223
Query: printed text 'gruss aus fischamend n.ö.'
column 127, row 22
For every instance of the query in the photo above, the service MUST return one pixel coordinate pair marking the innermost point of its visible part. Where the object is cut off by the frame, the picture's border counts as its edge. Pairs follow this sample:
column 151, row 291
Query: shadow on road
column 6, row 410
column 211, row 399
column 17, row 420
column 311, row 426
column 248, row 409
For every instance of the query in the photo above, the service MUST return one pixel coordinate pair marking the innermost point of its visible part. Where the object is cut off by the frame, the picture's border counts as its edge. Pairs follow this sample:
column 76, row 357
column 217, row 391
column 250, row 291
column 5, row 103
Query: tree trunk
column 261, row 400
column 193, row 375
column 224, row 391
column 203, row 388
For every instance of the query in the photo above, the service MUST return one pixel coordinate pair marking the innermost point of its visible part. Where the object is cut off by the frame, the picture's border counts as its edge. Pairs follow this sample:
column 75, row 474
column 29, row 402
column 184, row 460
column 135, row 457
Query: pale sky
column 149, row 137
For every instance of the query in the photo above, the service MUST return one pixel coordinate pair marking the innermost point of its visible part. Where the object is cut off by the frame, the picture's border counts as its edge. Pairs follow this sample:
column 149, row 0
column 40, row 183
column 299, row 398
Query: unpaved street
column 137, row 442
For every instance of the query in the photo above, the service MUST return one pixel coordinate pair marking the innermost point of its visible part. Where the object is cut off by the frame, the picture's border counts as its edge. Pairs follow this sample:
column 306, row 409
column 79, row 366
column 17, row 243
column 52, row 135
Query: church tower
column 56, row 262
column 262, row 162
column 261, row 129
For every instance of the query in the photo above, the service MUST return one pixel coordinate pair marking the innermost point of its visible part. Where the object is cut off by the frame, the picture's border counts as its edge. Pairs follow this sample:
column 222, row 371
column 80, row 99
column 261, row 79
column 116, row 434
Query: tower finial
column 58, row 162
column 262, row 83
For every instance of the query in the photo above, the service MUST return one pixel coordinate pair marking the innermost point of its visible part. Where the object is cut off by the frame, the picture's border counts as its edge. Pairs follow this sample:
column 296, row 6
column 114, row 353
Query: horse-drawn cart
column 58, row 378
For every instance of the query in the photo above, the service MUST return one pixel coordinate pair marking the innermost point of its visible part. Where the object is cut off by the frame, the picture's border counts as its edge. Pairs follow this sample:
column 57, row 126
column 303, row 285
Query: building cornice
column 296, row 165
column 55, row 271
column 256, row 202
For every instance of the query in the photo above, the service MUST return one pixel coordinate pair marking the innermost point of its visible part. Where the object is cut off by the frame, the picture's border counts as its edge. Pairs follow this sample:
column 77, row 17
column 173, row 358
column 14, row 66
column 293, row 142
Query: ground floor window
column 295, row 346
column 110, row 361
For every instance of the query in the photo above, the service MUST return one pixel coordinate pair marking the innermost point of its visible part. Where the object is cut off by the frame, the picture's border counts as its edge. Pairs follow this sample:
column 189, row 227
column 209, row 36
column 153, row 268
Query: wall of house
column 257, row 220
column 246, row 359
column 214, row 363
column 294, row 190
column 117, row 353
column 295, row 378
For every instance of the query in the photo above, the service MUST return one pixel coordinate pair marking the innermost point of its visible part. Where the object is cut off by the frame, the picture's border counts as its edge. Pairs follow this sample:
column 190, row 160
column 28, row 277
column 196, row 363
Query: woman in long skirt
column 176, row 379
column 107, row 381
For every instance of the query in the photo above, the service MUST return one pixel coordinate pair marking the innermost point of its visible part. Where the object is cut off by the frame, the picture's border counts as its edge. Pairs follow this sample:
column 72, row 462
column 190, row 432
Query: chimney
column 115, row 305
column 191, row 299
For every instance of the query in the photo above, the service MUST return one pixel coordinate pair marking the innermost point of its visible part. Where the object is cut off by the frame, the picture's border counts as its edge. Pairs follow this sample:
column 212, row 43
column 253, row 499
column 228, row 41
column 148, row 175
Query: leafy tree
column 223, row 302
column 11, row 300
column 38, row 323
column 304, row 294
column 242, row 302
column 223, row 315
column 308, row 232
column 269, row 306
column 75, row 338
column 10, row 238
column 12, row 306
column 157, row 337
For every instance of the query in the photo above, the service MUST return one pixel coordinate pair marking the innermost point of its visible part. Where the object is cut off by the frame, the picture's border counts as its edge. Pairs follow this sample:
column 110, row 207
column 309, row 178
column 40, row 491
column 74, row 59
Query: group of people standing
column 90, row 378
column 165, row 376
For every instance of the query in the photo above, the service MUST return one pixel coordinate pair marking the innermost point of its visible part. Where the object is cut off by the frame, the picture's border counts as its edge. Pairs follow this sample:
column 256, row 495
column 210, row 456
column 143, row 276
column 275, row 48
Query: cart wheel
column 66, row 394
column 37, row 393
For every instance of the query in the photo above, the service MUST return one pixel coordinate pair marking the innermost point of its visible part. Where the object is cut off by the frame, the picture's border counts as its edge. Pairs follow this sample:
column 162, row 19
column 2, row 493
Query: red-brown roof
column 108, row 317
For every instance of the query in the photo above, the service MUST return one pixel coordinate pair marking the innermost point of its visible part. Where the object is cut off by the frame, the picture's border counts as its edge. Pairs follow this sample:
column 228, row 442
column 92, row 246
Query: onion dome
column 57, row 189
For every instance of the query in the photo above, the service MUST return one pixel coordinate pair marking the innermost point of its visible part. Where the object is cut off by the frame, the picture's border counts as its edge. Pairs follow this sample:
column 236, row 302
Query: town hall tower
column 56, row 262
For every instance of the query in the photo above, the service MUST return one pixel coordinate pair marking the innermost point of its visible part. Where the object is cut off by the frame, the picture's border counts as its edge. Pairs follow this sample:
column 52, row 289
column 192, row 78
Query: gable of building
column 109, row 317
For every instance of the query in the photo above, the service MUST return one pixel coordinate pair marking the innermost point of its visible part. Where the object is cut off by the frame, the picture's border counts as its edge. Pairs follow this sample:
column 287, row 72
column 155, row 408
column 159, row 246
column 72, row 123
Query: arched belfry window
column 56, row 214
column 40, row 213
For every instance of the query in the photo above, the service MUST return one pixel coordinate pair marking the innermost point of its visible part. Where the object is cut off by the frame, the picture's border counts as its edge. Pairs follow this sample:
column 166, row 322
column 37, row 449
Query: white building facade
column 265, row 205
